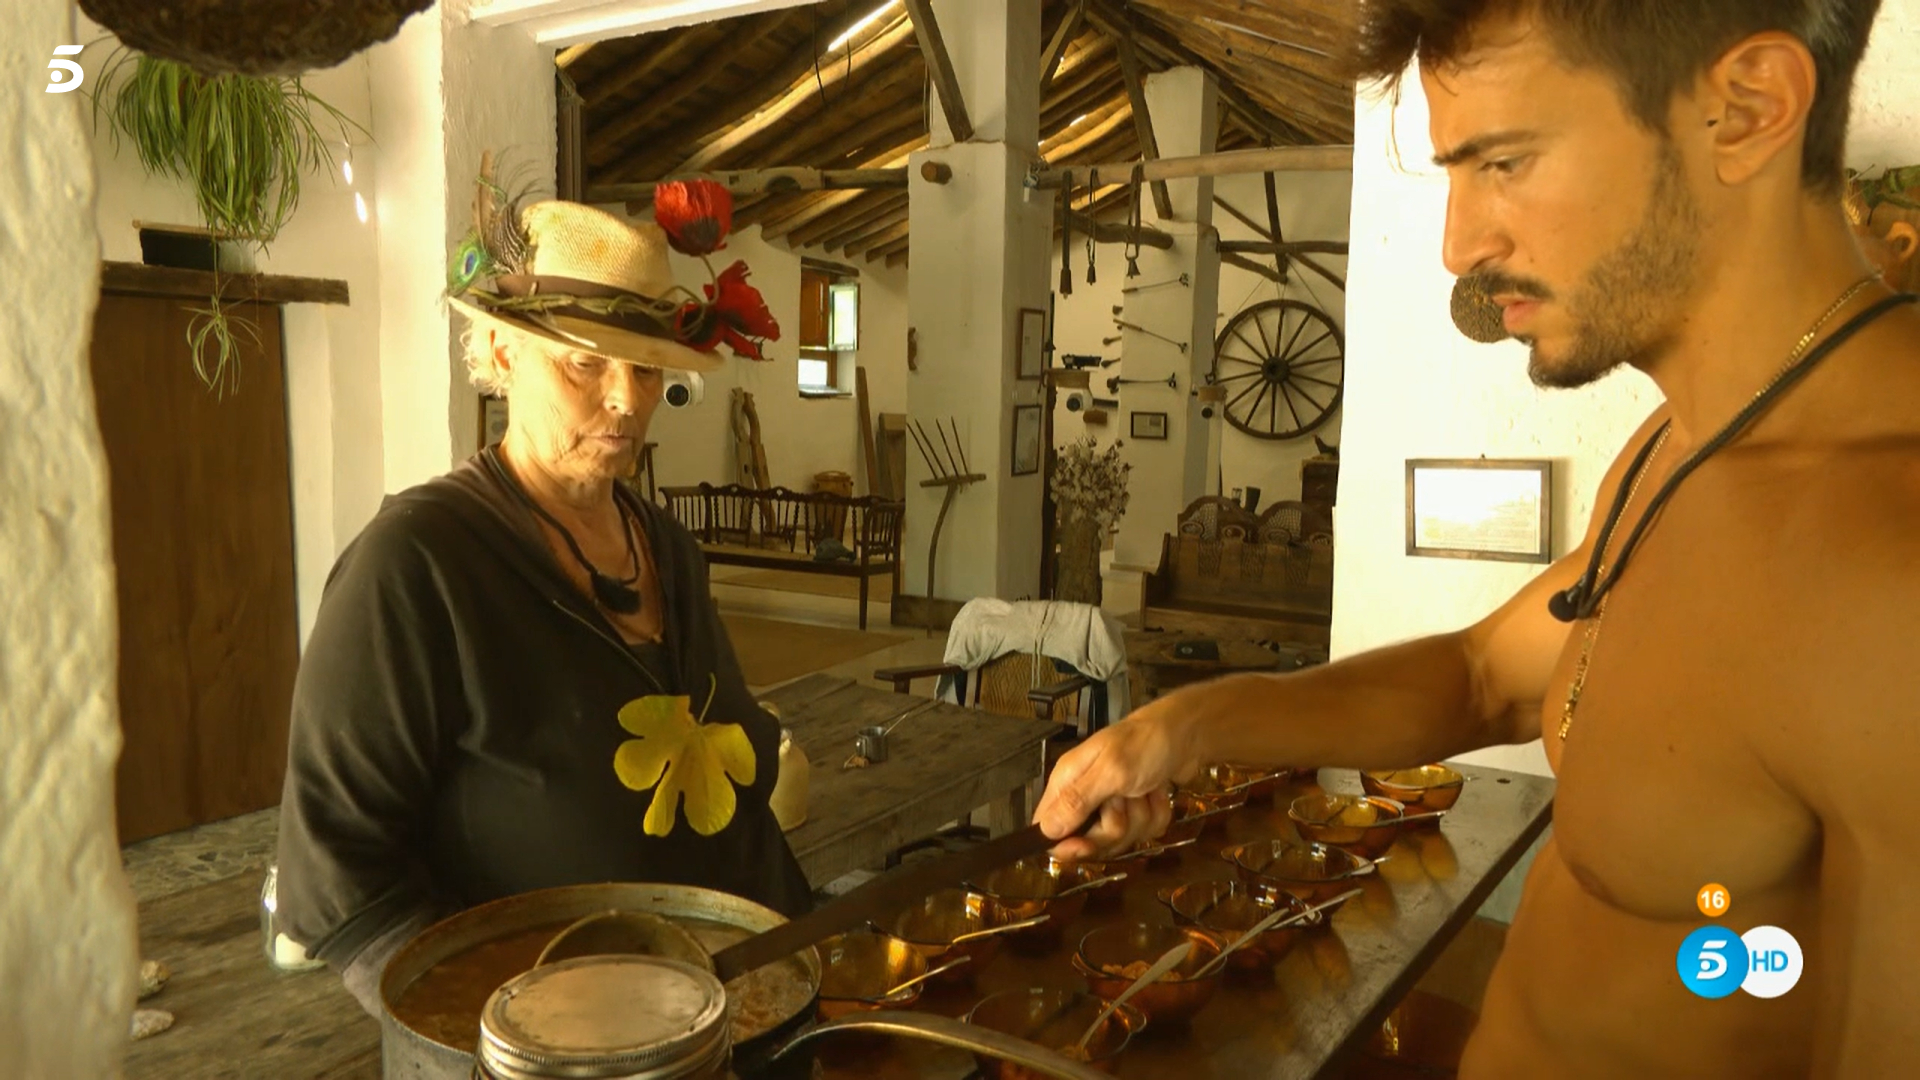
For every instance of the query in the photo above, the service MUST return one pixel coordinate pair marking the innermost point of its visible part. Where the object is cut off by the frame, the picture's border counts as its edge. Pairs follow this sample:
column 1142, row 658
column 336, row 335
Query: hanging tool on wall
column 1093, row 190
column 1138, row 329
column 1183, row 279
column 1066, row 233
column 1171, row 382
column 1132, row 248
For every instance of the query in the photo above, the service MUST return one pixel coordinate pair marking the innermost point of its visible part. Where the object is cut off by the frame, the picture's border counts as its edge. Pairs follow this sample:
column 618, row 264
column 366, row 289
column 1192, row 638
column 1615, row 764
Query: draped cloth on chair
column 1078, row 638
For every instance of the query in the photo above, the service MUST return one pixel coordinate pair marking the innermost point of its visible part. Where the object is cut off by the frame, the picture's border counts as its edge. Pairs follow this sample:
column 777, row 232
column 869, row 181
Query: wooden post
column 1062, row 37
column 1131, row 74
column 866, row 430
column 945, row 83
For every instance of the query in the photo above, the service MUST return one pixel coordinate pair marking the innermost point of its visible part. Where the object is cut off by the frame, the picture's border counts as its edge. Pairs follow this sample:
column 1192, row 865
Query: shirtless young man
column 1655, row 184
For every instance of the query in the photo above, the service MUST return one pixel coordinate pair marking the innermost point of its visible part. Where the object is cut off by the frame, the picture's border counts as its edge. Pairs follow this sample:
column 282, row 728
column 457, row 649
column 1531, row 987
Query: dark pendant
column 614, row 596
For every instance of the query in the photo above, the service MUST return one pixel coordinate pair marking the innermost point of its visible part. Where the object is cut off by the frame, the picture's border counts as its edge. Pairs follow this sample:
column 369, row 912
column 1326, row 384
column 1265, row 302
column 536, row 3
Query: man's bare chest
column 1666, row 781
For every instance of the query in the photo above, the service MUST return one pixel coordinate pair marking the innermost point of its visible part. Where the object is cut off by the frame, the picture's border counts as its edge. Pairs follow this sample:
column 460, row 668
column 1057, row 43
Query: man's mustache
column 1491, row 283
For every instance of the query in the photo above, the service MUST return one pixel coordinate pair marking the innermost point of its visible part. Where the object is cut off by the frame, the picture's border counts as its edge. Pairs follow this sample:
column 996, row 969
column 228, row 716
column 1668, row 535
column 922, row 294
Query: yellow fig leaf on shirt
column 680, row 757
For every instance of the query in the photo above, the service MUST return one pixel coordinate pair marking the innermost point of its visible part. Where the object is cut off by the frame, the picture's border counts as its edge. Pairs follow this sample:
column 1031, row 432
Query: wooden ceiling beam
column 892, row 233
column 1157, row 39
column 1231, row 163
column 1095, row 94
column 1134, row 76
column 733, row 137
column 897, row 86
column 778, row 181
column 810, row 208
column 826, row 232
column 1063, row 36
column 897, row 249
column 946, row 85
column 857, row 145
column 1099, row 125
column 652, row 160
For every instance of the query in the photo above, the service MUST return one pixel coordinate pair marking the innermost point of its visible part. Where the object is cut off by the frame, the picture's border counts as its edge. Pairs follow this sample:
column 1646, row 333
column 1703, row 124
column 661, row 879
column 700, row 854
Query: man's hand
column 1121, row 773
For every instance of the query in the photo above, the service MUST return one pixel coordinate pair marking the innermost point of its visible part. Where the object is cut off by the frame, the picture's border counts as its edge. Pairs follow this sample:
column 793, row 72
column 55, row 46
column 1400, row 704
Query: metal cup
column 871, row 744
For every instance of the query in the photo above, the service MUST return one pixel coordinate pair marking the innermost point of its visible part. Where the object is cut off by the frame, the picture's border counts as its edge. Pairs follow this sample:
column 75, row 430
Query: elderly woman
column 516, row 672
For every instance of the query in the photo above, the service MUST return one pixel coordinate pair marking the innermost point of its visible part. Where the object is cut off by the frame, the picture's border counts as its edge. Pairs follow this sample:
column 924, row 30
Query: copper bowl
column 1313, row 872
column 1054, row 1019
column 1227, row 909
column 1429, row 787
column 857, row 970
column 1023, row 889
column 1219, row 787
column 1363, row 824
column 1262, row 781
column 931, row 925
column 1191, row 817
column 1125, row 863
column 1112, row 956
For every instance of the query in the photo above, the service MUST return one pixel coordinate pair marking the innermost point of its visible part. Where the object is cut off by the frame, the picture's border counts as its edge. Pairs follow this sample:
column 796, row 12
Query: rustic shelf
column 139, row 279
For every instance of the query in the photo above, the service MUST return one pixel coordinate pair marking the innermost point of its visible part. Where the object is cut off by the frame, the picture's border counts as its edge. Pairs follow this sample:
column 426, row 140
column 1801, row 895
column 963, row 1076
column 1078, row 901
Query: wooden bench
column 1226, row 572
column 780, row 529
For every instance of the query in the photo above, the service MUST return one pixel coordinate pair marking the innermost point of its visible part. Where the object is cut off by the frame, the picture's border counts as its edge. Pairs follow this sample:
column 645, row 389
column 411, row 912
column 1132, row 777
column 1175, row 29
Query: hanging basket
column 252, row 37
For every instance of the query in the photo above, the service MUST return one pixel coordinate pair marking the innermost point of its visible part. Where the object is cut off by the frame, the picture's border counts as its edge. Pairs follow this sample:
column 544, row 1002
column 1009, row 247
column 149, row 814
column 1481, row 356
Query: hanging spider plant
column 242, row 143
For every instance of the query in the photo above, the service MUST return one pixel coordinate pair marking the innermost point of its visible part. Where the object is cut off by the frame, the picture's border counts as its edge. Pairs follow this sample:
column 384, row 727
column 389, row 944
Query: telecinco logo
column 1714, row 962
column 63, row 74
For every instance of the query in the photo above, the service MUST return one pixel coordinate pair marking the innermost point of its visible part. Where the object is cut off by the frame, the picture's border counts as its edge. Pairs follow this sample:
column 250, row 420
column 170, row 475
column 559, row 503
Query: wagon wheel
column 1283, row 364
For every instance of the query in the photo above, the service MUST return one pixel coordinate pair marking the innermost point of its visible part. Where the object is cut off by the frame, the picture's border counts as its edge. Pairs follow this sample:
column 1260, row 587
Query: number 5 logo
column 59, row 66
column 1713, row 963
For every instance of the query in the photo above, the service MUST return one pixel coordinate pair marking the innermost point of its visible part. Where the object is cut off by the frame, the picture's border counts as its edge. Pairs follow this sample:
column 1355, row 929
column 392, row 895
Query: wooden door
column 203, row 553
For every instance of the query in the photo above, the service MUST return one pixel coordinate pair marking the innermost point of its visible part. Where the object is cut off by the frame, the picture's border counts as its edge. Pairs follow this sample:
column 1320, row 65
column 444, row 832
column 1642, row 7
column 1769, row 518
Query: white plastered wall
column 803, row 437
column 67, row 944
column 332, row 352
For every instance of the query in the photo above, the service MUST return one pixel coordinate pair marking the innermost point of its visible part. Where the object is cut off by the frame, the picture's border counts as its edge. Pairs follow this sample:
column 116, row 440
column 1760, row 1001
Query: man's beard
column 1625, row 309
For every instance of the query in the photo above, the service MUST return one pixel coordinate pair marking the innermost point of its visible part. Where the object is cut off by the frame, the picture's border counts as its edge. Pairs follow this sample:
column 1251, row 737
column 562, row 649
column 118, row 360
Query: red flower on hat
column 696, row 214
column 742, row 318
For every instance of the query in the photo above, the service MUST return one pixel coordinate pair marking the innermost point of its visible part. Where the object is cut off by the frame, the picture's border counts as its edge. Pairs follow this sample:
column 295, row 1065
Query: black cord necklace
column 1584, row 597
column 615, row 594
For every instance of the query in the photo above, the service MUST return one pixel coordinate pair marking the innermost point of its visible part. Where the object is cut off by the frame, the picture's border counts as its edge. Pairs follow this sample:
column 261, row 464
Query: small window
column 829, row 327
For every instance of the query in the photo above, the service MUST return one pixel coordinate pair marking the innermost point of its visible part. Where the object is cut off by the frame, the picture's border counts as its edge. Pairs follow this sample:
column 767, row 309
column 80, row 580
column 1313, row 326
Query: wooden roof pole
column 755, row 181
column 945, row 83
column 1224, row 163
column 1062, row 37
column 1132, row 75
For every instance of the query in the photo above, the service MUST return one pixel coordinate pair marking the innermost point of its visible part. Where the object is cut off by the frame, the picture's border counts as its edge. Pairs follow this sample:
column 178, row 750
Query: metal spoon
column 1169, row 960
column 1272, row 922
column 918, row 979
column 1157, row 850
column 1093, row 884
column 973, row 935
column 1423, row 816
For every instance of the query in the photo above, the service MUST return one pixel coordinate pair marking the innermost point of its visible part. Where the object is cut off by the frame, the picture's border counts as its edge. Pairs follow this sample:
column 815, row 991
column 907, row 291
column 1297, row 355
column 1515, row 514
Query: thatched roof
column 767, row 90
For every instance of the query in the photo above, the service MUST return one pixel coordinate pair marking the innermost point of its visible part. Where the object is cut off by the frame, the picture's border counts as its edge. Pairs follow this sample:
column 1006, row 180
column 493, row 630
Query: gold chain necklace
column 1592, row 634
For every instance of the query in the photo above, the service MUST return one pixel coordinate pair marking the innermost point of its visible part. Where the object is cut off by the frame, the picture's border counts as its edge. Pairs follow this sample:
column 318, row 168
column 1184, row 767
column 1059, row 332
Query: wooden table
column 1152, row 660
column 1327, row 996
column 943, row 761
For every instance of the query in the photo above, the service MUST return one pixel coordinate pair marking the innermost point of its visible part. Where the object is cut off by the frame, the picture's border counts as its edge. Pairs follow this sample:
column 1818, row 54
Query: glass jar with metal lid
column 607, row 1018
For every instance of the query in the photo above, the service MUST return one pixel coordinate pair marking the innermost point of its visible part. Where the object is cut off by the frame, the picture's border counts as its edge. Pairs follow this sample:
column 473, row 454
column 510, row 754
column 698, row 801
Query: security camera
column 1077, row 400
column 1206, row 412
column 684, row 388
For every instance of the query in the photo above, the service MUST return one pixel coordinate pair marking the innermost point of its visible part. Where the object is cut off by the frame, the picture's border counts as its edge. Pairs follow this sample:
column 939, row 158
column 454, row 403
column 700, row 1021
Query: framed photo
column 493, row 420
column 1480, row 509
column 1030, row 351
column 1026, row 439
column 1147, row 425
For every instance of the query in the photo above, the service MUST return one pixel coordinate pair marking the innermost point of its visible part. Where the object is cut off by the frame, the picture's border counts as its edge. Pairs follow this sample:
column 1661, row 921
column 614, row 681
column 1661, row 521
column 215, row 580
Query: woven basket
column 252, row 37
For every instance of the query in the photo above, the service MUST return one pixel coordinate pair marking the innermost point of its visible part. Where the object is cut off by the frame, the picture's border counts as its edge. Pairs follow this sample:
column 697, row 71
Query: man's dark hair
column 1653, row 49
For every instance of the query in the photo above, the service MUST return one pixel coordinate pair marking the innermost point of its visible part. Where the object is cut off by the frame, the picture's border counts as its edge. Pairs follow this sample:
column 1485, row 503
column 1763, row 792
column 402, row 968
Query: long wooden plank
column 1269, row 247
column 139, row 279
column 783, row 180
column 945, row 83
column 1225, row 163
column 1134, row 77
column 866, row 427
column 1063, row 36
column 779, row 109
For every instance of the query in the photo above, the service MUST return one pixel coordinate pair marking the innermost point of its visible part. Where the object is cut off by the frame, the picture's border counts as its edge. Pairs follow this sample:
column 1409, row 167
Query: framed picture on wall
column 1480, row 509
column 493, row 420
column 1030, row 351
column 1147, row 425
column 1026, row 439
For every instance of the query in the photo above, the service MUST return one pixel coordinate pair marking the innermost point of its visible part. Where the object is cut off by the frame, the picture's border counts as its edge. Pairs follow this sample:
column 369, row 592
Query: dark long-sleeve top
column 455, row 723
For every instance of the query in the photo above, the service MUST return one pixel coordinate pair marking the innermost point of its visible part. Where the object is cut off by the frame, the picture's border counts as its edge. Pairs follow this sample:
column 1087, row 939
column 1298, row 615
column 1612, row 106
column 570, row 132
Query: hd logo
column 1714, row 961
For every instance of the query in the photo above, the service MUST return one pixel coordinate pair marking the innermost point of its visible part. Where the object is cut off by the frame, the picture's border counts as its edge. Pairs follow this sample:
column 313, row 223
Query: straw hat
column 583, row 279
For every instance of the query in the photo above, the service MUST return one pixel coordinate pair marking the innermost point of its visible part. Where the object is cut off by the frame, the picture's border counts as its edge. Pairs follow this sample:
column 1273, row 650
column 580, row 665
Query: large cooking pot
column 461, row 960
column 496, row 941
